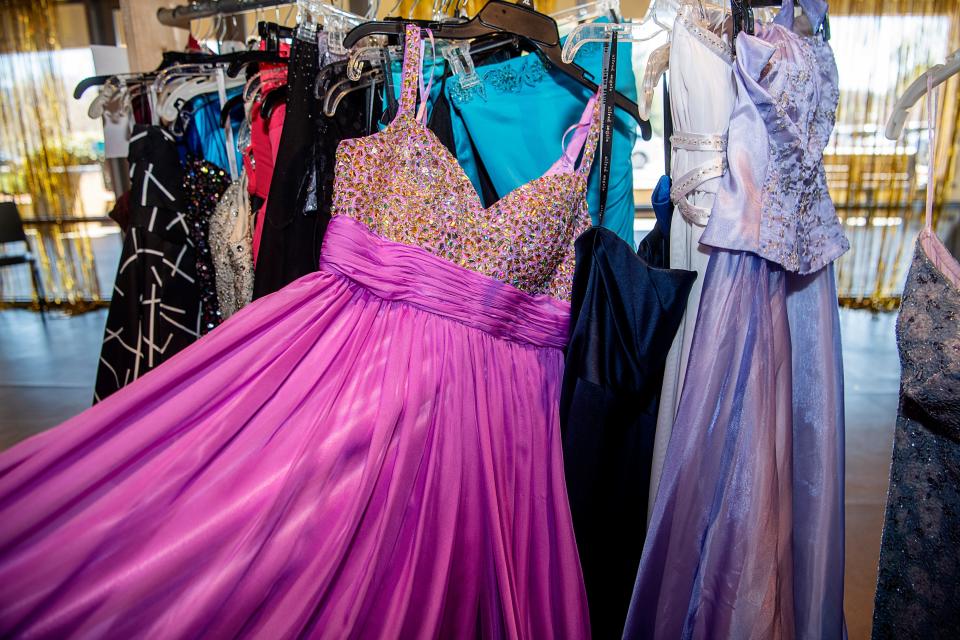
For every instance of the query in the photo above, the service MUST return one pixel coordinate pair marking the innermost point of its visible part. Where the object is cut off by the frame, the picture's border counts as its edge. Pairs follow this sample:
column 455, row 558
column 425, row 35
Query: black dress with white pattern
column 155, row 310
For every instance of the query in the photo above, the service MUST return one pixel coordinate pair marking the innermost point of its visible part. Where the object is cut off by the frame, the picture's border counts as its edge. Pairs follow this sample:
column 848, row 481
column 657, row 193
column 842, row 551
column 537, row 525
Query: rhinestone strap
column 689, row 182
column 593, row 137
column 699, row 216
column 695, row 177
column 411, row 70
column 699, row 141
column 711, row 40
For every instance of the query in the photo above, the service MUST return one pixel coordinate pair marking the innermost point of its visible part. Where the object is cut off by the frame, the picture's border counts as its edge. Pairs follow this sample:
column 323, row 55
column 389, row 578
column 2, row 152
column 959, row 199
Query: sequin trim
column 699, row 141
column 702, row 33
column 688, row 183
column 504, row 79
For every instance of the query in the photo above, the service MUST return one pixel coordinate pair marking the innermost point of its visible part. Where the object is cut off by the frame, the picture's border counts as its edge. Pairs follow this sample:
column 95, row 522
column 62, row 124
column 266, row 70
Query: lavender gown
column 746, row 536
column 371, row 452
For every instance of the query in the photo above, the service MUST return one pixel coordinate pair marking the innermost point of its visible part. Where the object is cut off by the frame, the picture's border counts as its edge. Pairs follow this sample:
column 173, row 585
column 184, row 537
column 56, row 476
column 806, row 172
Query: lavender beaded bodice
column 404, row 185
column 774, row 200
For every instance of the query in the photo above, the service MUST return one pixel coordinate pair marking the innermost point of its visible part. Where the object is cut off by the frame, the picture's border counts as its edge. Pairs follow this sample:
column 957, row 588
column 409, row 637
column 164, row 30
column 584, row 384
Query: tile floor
column 47, row 372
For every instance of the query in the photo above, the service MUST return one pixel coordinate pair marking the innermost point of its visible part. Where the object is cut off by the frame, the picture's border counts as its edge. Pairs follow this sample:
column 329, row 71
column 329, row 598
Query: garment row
column 264, row 242
column 452, row 403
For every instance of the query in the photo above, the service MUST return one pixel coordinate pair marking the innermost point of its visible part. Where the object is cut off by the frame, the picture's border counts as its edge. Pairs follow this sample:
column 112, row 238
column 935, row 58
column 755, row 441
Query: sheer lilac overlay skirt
column 373, row 451
column 746, row 537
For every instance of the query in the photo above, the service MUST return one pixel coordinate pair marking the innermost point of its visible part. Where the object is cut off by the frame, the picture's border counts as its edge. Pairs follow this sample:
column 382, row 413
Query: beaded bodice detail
column 928, row 336
column 404, row 185
column 801, row 229
column 773, row 199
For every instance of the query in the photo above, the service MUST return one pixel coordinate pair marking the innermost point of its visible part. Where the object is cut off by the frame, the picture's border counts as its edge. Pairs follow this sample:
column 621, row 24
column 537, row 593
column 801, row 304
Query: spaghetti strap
column 410, row 78
column 931, row 151
column 567, row 162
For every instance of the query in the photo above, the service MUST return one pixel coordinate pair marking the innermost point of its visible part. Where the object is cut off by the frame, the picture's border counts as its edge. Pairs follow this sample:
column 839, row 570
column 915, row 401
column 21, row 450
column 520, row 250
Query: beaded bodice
column 928, row 336
column 404, row 185
column 774, row 200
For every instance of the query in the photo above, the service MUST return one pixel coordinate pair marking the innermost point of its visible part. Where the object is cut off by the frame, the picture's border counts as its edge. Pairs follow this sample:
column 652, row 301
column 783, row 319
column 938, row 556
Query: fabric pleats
column 361, row 455
column 746, row 536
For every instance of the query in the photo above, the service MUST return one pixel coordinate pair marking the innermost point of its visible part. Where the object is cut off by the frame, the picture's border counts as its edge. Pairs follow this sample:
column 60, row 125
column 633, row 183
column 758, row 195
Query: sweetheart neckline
column 462, row 173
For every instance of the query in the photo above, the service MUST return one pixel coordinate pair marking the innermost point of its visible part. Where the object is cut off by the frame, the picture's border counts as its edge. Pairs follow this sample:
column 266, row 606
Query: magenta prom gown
column 371, row 452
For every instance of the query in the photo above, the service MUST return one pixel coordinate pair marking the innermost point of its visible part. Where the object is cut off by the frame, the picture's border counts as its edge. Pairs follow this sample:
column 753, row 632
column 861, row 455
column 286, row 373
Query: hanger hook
column 221, row 32
column 253, row 30
column 413, row 8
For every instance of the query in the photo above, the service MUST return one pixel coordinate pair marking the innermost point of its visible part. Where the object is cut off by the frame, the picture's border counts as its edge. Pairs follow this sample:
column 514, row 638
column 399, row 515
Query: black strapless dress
column 625, row 312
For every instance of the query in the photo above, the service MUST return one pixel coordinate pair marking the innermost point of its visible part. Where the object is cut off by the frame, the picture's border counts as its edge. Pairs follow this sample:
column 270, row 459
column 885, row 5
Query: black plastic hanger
column 743, row 19
column 242, row 58
column 228, row 107
column 271, row 33
column 498, row 16
column 99, row 81
column 273, row 100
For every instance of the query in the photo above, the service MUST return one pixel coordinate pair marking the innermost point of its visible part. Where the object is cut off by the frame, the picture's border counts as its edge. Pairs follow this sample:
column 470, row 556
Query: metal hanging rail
column 181, row 16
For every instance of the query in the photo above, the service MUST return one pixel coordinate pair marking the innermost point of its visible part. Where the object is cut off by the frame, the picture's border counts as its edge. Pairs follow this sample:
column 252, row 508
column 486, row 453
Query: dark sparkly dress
column 154, row 312
column 204, row 184
column 918, row 589
column 301, row 192
column 291, row 236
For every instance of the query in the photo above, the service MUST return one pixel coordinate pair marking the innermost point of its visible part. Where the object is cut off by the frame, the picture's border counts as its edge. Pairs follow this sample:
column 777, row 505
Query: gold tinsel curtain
column 879, row 185
column 39, row 168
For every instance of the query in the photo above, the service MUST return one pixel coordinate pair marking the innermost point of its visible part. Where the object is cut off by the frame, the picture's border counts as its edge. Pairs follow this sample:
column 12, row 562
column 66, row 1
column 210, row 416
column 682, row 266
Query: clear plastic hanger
column 570, row 17
column 339, row 91
column 655, row 22
column 336, row 22
column 177, row 85
column 112, row 93
column 413, row 7
column 457, row 55
column 657, row 63
column 373, row 55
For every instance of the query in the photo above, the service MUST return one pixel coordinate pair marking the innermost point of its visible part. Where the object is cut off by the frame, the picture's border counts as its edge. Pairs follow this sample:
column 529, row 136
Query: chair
column 11, row 230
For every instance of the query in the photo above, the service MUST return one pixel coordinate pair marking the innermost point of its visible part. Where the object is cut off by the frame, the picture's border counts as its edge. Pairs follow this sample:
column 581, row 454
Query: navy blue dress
column 626, row 308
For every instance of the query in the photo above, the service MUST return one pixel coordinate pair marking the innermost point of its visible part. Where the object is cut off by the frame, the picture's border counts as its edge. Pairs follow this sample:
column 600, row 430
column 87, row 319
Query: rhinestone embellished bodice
column 773, row 200
column 404, row 185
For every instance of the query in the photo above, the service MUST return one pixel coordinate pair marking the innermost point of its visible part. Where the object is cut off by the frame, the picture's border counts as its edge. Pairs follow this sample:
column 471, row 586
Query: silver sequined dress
column 231, row 242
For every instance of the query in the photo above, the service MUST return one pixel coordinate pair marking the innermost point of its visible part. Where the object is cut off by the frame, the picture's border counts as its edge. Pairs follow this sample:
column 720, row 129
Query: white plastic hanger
column 207, row 82
column 938, row 74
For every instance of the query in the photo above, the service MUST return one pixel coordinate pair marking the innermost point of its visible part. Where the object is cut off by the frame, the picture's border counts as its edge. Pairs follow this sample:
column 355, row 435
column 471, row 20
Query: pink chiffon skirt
column 371, row 452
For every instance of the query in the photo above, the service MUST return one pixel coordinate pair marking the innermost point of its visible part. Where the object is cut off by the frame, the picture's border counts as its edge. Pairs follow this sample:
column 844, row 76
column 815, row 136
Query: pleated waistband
column 404, row 273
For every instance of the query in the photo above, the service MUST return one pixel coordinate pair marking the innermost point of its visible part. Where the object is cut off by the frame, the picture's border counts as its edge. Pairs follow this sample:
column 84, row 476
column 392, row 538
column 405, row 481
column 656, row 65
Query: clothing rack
column 177, row 16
